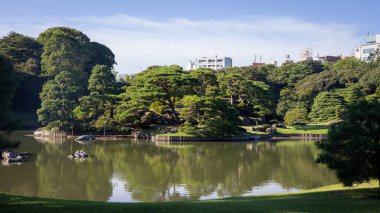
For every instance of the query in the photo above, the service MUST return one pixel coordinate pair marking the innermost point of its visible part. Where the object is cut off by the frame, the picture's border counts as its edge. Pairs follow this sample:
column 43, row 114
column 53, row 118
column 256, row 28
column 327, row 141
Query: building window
column 370, row 50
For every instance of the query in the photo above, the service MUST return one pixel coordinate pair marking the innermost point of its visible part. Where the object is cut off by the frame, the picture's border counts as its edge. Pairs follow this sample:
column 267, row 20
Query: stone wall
column 192, row 138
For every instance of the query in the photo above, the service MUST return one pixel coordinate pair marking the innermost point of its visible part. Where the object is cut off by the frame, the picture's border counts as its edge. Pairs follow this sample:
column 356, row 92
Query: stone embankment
column 193, row 138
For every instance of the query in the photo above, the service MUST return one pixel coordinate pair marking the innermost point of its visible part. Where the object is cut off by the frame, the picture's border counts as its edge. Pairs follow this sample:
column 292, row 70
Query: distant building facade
column 372, row 44
column 306, row 54
column 214, row 62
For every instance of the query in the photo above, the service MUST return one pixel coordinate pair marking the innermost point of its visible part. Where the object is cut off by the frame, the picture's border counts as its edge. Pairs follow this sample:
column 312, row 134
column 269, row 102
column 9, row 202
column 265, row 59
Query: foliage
column 58, row 100
column 251, row 97
column 206, row 82
column 375, row 96
column 296, row 115
column 206, row 116
column 64, row 49
column 352, row 147
column 349, row 63
column 290, row 73
column 8, row 83
column 23, row 51
column 327, row 106
column 97, row 109
column 100, row 55
column 102, row 80
column 166, row 85
column 370, row 80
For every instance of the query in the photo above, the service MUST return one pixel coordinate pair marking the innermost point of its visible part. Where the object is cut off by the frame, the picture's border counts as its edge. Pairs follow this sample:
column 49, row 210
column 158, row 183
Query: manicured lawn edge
column 333, row 198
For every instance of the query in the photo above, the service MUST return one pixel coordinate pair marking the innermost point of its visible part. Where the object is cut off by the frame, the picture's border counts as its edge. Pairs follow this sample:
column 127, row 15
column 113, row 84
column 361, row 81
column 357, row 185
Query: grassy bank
column 309, row 129
column 326, row 199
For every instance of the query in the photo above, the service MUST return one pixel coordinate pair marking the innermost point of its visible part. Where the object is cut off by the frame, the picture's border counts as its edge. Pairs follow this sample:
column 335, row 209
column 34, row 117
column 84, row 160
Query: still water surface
column 127, row 171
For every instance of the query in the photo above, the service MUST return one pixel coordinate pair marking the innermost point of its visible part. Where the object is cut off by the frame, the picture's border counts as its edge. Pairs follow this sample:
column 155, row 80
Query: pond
column 141, row 171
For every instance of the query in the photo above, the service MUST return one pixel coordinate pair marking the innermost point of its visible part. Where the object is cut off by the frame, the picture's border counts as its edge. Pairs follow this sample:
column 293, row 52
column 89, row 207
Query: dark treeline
column 69, row 82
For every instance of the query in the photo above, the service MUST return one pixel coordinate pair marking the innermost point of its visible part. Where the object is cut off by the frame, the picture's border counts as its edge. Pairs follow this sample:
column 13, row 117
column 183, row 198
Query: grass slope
column 309, row 129
column 318, row 200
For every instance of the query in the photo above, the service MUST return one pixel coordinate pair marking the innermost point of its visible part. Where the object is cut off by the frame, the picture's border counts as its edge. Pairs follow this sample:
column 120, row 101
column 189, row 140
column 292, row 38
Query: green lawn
column 317, row 200
column 174, row 134
column 309, row 129
column 250, row 131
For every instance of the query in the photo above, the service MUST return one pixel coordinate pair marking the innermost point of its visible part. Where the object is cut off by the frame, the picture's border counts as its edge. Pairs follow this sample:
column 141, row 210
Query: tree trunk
column 175, row 114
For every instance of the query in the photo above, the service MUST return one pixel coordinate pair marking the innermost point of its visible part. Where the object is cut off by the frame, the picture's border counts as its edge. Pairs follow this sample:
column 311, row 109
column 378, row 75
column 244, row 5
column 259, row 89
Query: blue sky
column 147, row 32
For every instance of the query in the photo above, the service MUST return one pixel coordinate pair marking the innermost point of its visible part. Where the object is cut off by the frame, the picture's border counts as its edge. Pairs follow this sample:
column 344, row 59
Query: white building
column 306, row 54
column 372, row 44
column 213, row 62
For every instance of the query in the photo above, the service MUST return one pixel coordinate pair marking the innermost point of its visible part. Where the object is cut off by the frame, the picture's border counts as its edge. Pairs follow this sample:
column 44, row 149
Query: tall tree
column 352, row 147
column 327, row 106
column 97, row 109
column 251, row 97
column 208, row 116
column 206, row 82
column 59, row 98
column 64, row 49
column 290, row 73
column 166, row 85
column 23, row 51
column 101, row 55
column 8, row 83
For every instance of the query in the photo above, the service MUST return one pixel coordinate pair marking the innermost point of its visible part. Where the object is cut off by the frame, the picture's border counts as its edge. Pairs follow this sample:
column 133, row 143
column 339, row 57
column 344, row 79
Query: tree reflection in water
column 165, row 172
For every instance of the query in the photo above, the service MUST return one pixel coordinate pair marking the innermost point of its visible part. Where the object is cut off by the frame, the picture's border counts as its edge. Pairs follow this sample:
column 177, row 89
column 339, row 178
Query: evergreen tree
column 207, row 116
column 59, row 97
column 352, row 147
column 64, row 49
column 97, row 109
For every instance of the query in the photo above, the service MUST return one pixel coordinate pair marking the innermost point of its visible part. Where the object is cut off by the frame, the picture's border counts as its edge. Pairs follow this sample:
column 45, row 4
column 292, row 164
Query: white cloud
column 138, row 43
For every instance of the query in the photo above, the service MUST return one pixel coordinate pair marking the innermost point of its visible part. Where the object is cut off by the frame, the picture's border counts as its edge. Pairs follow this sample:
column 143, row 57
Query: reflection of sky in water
column 269, row 188
column 265, row 189
column 119, row 192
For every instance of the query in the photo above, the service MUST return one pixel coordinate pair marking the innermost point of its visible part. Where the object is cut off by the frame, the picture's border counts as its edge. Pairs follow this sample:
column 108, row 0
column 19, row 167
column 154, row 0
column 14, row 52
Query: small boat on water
column 86, row 138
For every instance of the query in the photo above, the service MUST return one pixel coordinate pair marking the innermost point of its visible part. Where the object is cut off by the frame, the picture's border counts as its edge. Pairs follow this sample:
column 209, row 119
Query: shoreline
column 332, row 198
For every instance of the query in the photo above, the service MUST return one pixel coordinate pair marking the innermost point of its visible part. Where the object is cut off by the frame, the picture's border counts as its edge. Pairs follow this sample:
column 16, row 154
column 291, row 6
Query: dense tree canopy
column 25, row 55
column 97, row 108
column 327, row 106
column 23, row 51
column 296, row 115
column 289, row 73
column 8, row 83
column 59, row 98
column 207, row 116
column 100, row 55
column 94, row 98
column 353, row 145
column 64, row 49
column 165, row 85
